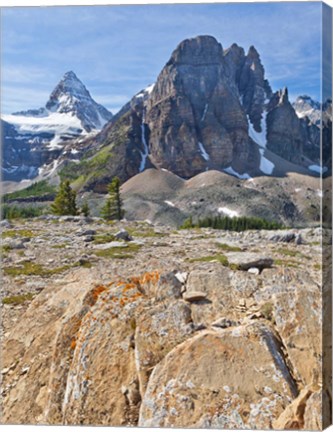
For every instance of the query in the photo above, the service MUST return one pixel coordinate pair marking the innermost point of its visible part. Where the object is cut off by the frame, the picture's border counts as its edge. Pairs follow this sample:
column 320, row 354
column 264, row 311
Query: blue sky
column 118, row 50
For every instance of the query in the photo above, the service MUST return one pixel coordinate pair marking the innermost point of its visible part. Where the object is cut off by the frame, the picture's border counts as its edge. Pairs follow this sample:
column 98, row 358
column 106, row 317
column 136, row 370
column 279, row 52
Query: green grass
column 145, row 233
column 4, row 249
column 29, row 268
column 83, row 263
column 211, row 258
column 104, row 238
column 286, row 263
column 17, row 299
column 10, row 211
column 227, row 248
column 37, row 189
column 60, row 246
column 292, row 253
column 88, row 169
column 315, row 243
column 119, row 252
column 18, row 233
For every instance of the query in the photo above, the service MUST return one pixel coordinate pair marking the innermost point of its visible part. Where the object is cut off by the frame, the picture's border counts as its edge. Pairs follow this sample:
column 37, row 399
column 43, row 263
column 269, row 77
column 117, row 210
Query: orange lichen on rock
column 73, row 343
column 150, row 277
column 97, row 291
column 129, row 286
column 93, row 295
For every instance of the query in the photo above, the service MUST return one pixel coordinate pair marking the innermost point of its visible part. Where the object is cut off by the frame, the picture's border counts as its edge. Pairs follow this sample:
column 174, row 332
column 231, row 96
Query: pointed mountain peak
column 71, row 96
column 284, row 95
column 234, row 50
column 253, row 53
column 254, row 61
column 70, row 75
column 306, row 99
column 70, row 85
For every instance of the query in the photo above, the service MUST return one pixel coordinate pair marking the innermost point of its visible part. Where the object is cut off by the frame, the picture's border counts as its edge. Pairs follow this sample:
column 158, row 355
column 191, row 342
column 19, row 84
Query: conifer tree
column 85, row 210
column 113, row 208
column 65, row 201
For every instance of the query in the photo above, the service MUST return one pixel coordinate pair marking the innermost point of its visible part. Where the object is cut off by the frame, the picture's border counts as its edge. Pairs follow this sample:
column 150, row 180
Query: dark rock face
column 285, row 136
column 210, row 108
column 253, row 87
column 194, row 114
column 23, row 155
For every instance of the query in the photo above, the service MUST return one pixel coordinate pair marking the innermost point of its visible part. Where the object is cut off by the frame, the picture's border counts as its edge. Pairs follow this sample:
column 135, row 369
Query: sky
column 118, row 50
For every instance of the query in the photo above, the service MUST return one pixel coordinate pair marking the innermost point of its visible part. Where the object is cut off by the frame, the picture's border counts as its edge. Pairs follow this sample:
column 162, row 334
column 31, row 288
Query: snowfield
column 228, row 212
column 266, row 166
column 259, row 137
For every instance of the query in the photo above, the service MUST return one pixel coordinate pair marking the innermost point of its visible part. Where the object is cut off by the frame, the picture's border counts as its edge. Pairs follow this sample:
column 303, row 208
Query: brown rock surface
column 228, row 378
column 99, row 345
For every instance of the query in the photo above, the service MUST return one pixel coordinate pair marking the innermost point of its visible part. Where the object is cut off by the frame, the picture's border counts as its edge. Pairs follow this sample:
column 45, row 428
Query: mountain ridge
column 210, row 108
column 36, row 138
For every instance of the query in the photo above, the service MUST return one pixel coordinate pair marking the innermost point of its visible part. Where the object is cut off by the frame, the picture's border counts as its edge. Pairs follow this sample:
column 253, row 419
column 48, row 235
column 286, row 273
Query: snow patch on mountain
column 234, row 173
column 259, row 137
column 228, row 212
column 266, row 166
column 305, row 106
column 204, row 112
column 203, row 152
column 317, row 169
column 54, row 123
column 170, row 204
column 150, row 88
column 145, row 152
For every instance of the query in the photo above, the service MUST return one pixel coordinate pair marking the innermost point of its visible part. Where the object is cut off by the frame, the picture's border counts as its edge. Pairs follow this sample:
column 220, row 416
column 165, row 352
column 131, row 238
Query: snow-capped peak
column 305, row 106
column 70, row 113
column 71, row 96
column 68, row 91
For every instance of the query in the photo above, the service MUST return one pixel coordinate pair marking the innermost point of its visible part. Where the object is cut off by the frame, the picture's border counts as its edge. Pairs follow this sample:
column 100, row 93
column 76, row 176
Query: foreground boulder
column 214, row 380
column 188, row 343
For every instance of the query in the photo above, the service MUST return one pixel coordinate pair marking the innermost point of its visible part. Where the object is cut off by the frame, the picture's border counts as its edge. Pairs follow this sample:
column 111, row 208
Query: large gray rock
column 123, row 235
column 249, row 260
column 5, row 224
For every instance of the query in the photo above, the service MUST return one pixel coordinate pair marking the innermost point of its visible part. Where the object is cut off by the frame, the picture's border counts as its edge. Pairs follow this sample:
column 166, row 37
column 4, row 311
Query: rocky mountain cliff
column 35, row 139
column 210, row 108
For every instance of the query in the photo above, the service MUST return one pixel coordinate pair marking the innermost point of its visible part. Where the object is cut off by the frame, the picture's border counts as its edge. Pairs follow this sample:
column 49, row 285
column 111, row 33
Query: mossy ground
column 18, row 299
column 123, row 252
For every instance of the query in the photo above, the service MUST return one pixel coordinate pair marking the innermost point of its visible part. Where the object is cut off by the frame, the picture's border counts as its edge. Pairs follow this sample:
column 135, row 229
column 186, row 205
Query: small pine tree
column 113, row 208
column 85, row 210
column 65, row 201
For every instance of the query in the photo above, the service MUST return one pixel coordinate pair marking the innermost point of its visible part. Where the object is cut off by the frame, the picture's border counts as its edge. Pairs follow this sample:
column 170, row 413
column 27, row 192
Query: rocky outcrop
column 204, row 345
column 254, row 89
column 284, row 131
column 194, row 114
column 213, row 380
column 209, row 109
